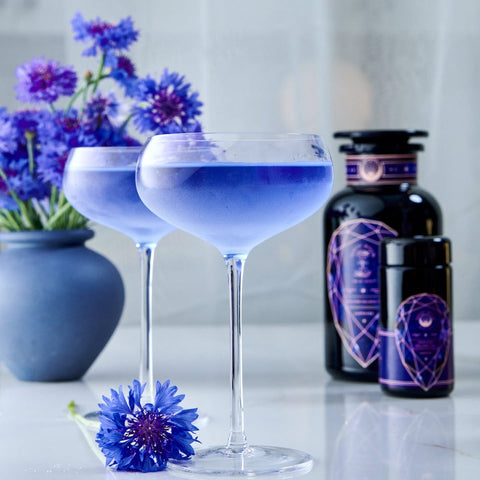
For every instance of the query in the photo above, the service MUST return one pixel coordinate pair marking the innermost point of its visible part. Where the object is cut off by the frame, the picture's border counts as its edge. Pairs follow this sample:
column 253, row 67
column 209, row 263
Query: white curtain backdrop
column 289, row 65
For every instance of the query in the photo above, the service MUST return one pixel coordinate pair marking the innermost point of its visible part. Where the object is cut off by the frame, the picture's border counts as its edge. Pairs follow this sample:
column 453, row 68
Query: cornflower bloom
column 104, row 37
column 44, row 81
column 166, row 107
column 143, row 437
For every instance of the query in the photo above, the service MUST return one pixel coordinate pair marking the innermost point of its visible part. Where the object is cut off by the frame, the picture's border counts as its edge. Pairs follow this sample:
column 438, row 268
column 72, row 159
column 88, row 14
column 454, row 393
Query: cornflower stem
column 75, row 220
column 54, row 222
column 38, row 207
column 31, row 158
column 125, row 122
column 34, row 215
column 74, row 98
column 24, row 221
column 53, row 199
column 84, row 100
column 10, row 222
column 99, row 74
column 83, row 423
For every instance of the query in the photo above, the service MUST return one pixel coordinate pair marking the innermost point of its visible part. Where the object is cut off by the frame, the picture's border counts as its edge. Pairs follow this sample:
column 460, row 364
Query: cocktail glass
column 235, row 191
column 100, row 183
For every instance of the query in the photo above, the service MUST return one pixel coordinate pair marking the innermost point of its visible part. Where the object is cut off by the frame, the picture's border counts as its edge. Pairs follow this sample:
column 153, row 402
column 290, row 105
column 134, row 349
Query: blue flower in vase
column 104, row 37
column 44, row 81
column 124, row 74
column 167, row 106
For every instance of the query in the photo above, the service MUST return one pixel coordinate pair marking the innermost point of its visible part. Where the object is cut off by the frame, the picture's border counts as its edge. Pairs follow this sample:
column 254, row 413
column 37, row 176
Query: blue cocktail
column 235, row 191
column 236, row 207
column 100, row 183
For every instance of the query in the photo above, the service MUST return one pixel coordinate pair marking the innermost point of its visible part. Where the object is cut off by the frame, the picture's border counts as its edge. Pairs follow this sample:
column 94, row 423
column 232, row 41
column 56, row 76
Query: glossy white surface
column 352, row 430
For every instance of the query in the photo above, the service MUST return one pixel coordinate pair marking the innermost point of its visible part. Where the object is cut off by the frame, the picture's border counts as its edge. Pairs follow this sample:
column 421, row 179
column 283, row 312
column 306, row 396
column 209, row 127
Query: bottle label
column 381, row 169
column 352, row 283
column 419, row 352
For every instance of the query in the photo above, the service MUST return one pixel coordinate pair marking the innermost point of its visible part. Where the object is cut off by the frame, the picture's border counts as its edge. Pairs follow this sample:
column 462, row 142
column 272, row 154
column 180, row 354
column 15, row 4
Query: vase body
column 60, row 302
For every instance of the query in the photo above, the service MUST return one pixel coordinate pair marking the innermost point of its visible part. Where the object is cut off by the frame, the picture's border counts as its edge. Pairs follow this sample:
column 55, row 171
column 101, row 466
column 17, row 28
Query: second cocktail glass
column 100, row 183
column 235, row 191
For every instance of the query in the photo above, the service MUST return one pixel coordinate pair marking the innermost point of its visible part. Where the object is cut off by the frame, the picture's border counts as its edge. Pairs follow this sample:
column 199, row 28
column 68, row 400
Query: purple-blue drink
column 235, row 190
column 108, row 195
column 235, row 206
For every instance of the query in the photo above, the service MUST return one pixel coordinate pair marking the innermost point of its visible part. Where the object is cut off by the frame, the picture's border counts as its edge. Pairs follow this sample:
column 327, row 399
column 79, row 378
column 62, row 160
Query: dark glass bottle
column 381, row 200
column 416, row 324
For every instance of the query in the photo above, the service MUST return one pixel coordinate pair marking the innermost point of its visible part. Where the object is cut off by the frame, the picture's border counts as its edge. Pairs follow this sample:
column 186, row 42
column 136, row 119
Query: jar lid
column 380, row 141
column 416, row 251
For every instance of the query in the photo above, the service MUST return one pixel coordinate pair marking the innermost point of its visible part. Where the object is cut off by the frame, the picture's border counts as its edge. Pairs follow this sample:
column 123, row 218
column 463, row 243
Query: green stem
column 62, row 199
column 74, row 97
column 4, row 223
column 25, row 217
column 56, row 218
column 41, row 212
column 99, row 74
column 31, row 159
column 12, row 222
column 53, row 199
column 76, row 220
column 125, row 123
column 83, row 424
column 33, row 215
column 84, row 99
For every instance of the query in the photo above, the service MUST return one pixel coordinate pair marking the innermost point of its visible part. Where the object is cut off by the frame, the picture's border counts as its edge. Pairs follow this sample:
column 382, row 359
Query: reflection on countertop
column 353, row 430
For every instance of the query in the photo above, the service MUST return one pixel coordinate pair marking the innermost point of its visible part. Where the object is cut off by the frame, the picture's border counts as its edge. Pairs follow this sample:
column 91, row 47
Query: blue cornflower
column 124, row 74
column 8, row 142
column 18, row 168
column 50, row 168
column 44, row 81
column 144, row 437
column 104, row 36
column 26, row 186
column 17, row 126
column 6, row 200
column 166, row 107
column 99, row 108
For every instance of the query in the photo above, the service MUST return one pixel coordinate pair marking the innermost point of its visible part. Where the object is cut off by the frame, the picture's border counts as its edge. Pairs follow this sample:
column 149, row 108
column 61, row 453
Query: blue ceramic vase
column 59, row 304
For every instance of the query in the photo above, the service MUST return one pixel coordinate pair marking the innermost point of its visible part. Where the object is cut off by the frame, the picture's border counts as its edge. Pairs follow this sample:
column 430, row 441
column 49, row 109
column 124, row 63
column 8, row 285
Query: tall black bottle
column 381, row 200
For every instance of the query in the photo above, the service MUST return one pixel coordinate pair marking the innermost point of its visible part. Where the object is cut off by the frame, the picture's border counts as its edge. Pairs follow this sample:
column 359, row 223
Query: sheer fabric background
column 288, row 65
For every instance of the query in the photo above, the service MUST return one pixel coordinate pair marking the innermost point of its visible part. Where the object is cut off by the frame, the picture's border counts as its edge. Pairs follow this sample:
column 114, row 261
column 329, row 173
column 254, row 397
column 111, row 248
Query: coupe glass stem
column 237, row 441
column 146, row 252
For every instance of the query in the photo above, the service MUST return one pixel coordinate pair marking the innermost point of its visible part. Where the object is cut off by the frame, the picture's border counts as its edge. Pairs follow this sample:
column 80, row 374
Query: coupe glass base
column 253, row 461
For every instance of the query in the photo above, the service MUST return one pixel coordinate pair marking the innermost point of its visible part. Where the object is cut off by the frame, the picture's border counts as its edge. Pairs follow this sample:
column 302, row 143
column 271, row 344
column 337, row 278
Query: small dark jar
column 416, row 334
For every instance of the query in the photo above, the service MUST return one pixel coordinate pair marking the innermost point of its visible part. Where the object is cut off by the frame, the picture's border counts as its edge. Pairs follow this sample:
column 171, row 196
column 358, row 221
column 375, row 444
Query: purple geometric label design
column 352, row 282
column 381, row 169
column 423, row 336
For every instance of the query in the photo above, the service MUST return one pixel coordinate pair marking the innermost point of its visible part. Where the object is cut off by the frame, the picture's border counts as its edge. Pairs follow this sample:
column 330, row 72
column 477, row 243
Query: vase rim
column 60, row 237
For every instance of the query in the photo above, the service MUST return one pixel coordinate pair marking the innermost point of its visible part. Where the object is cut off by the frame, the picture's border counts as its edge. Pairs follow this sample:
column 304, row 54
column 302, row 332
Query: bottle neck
column 381, row 169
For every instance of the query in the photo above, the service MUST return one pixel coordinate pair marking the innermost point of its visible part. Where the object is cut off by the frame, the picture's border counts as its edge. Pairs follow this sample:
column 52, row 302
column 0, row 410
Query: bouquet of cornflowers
column 35, row 143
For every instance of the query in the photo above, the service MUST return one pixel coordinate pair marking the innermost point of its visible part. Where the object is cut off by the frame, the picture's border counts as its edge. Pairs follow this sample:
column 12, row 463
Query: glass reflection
column 372, row 436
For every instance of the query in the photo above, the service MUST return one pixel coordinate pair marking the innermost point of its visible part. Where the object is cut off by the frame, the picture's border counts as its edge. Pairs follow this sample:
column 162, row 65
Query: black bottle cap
column 417, row 251
column 380, row 141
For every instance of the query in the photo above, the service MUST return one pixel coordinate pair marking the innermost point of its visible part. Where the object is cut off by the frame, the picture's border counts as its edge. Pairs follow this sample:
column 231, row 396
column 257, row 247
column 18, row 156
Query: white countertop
column 352, row 430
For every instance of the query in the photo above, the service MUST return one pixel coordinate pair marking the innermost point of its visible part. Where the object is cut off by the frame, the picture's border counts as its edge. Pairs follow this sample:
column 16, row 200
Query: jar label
column 418, row 353
column 352, row 283
column 381, row 169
